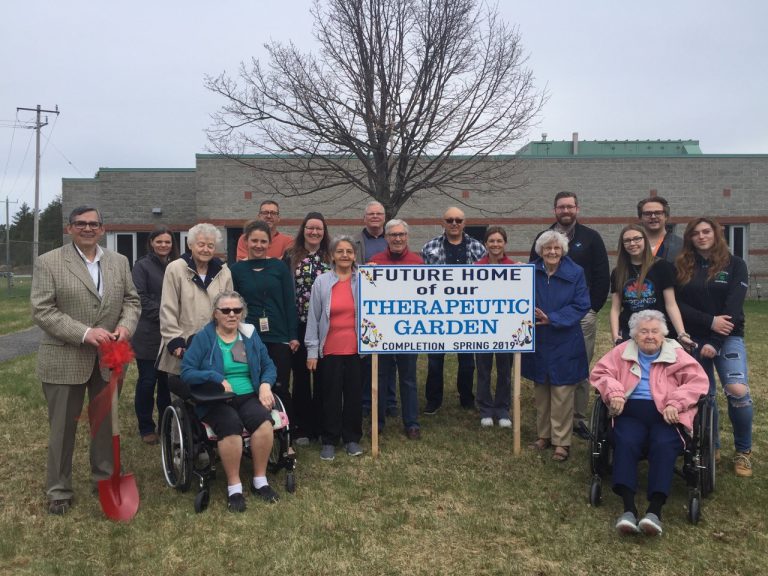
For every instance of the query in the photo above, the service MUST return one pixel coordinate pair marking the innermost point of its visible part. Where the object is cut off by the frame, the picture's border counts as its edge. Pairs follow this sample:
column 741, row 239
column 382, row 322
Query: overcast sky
column 128, row 77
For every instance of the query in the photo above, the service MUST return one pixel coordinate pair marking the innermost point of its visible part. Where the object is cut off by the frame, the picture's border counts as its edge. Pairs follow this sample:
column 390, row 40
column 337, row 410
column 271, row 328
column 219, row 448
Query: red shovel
column 119, row 495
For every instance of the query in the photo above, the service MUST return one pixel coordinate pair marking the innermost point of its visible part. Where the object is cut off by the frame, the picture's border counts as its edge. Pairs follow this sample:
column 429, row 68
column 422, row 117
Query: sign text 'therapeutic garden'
column 412, row 309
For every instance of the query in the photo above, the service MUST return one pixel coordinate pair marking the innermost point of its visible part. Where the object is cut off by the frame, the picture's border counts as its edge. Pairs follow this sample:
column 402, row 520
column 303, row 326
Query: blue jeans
column 731, row 366
column 144, row 401
column 402, row 366
column 365, row 378
column 464, row 379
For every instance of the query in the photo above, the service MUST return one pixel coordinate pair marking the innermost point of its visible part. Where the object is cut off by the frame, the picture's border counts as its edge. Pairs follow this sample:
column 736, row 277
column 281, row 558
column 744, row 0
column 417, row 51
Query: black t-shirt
column 649, row 296
column 455, row 253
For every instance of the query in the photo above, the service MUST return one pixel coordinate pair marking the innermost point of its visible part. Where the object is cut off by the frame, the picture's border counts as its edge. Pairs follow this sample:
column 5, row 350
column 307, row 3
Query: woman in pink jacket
column 650, row 385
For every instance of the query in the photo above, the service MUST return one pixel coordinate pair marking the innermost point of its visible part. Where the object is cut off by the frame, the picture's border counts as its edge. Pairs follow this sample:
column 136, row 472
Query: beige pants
column 554, row 412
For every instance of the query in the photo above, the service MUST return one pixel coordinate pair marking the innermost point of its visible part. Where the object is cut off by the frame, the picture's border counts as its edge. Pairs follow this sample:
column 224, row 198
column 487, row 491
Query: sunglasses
column 228, row 311
column 454, row 220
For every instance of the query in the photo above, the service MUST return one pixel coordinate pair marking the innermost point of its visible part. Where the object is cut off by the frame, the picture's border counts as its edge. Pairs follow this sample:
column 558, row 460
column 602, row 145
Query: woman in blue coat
column 560, row 359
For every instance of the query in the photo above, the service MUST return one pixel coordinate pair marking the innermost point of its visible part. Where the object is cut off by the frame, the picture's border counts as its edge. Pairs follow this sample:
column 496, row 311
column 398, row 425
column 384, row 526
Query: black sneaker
column 431, row 409
column 59, row 507
column 265, row 493
column 580, row 429
column 236, row 503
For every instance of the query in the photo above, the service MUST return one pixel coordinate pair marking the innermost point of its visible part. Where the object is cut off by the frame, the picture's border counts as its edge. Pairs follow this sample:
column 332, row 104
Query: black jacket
column 587, row 249
column 148, row 275
column 700, row 300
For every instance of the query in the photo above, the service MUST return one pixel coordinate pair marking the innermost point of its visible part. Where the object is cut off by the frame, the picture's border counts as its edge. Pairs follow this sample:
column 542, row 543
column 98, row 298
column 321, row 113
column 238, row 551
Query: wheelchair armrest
column 209, row 392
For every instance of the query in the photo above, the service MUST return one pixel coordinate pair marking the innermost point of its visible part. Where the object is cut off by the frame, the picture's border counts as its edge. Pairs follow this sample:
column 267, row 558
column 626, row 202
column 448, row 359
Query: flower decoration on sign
column 367, row 275
column 524, row 334
column 369, row 334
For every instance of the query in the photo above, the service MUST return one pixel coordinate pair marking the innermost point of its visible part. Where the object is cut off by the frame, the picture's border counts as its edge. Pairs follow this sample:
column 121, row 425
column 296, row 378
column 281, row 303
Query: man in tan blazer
column 81, row 296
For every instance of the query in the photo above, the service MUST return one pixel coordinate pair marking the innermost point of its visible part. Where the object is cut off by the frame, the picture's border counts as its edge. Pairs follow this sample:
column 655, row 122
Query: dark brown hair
column 719, row 256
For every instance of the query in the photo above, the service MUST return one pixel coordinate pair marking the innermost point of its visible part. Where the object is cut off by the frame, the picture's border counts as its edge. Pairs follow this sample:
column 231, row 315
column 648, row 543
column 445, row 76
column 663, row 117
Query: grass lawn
column 456, row 502
column 15, row 313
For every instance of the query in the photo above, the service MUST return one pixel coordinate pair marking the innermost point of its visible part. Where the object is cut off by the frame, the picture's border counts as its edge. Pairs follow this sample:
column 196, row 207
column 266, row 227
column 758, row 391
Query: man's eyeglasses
column 269, row 213
column 633, row 240
column 566, row 208
column 454, row 220
column 228, row 311
column 652, row 213
column 397, row 234
column 82, row 225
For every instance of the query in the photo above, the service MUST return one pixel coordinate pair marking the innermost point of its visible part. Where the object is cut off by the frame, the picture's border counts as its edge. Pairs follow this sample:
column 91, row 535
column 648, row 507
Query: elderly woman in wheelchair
column 651, row 387
column 229, row 354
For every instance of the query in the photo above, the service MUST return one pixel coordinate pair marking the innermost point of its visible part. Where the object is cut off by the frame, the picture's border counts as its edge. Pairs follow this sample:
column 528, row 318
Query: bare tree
column 403, row 96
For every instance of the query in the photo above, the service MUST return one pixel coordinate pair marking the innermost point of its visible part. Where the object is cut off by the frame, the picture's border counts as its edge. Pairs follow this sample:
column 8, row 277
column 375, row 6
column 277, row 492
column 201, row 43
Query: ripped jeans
column 731, row 366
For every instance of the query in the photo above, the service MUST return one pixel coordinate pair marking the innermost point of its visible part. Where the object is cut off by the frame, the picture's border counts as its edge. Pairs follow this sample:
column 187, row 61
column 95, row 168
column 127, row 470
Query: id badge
column 238, row 352
column 264, row 324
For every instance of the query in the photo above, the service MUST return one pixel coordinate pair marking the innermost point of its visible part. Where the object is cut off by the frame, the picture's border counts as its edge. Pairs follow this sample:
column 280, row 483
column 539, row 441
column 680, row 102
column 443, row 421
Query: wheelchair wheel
column 707, row 435
column 176, row 447
column 694, row 508
column 201, row 500
column 290, row 483
column 599, row 450
column 596, row 491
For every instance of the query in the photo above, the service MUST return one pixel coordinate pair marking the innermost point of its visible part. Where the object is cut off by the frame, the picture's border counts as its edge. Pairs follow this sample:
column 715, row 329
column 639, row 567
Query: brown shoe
column 59, row 507
column 742, row 465
column 561, row 453
column 540, row 444
column 150, row 439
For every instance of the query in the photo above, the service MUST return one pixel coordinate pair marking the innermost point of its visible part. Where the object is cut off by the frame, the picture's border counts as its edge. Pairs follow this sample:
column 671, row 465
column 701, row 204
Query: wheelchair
column 698, row 468
column 188, row 445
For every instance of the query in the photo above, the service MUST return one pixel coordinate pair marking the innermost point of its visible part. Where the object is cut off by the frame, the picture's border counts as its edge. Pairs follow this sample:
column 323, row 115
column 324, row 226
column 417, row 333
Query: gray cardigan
column 319, row 316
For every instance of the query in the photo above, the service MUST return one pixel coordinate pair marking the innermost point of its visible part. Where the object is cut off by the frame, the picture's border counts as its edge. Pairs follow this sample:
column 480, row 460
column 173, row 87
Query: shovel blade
column 119, row 497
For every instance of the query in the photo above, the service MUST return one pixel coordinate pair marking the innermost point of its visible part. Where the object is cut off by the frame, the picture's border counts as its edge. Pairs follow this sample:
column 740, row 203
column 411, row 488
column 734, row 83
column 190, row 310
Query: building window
column 737, row 237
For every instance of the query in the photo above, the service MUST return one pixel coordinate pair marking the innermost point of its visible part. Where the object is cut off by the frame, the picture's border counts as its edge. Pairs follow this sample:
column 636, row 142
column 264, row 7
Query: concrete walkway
column 19, row 343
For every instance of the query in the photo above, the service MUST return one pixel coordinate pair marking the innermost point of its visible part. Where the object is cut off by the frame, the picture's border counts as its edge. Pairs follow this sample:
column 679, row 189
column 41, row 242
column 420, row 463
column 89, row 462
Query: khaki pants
column 554, row 412
column 583, row 389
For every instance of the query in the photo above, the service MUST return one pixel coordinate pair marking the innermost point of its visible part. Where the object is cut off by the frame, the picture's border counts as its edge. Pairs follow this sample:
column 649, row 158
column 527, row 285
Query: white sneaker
column 486, row 422
column 505, row 423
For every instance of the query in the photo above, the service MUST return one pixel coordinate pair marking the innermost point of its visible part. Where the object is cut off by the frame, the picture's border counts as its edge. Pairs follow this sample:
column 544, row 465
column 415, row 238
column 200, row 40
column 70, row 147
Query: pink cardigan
column 676, row 378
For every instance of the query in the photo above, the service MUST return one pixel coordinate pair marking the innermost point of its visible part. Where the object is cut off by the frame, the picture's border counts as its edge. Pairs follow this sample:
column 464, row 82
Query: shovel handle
column 115, row 423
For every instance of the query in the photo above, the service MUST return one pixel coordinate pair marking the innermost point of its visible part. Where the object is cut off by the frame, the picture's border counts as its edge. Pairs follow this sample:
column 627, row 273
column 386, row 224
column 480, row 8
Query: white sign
column 413, row 309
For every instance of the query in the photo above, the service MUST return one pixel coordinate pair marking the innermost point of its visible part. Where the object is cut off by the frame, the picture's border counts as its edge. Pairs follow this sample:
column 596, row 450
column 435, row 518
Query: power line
column 38, row 126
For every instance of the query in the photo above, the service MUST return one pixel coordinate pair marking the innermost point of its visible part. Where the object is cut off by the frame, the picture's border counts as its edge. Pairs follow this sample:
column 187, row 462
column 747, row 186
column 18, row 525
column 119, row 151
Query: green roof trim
column 147, row 170
column 623, row 148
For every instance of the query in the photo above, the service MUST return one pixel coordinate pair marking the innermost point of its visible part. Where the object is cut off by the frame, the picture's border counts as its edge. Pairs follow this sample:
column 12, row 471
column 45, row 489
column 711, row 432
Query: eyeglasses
column 566, row 208
column 454, row 220
column 633, row 240
column 228, row 311
column 374, row 214
column 652, row 213
column 269, row 213
column 82, row 225
column 397, row 234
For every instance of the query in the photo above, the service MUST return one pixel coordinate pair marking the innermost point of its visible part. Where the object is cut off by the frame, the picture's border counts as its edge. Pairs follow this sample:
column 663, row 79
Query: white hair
column 647, row 316
column 551, row 236
column 203, row 229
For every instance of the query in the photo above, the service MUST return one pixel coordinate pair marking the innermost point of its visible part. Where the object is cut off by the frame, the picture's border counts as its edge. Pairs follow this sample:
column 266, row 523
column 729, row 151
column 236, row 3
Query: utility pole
column 8, row 243
column 36, row 228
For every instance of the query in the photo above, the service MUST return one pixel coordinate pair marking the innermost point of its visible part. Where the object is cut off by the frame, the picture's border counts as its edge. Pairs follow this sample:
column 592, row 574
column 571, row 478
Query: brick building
column 609, row 177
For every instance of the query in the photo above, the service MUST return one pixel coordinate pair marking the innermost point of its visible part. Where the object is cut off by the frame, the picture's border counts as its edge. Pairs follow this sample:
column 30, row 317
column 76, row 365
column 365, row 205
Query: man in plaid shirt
column 452, row 247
